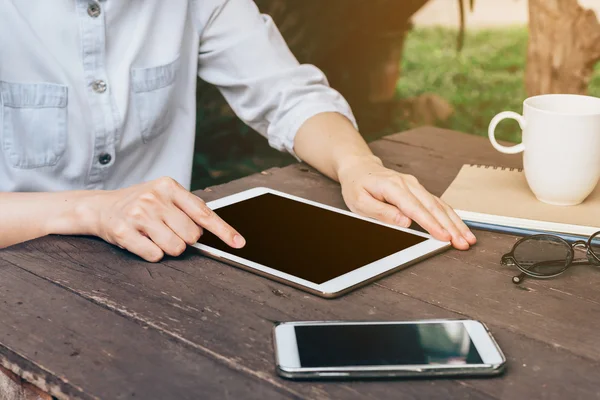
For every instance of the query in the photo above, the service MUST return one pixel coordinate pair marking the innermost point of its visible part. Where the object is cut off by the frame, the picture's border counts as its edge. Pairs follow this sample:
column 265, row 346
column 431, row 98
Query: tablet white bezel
column 341, row 282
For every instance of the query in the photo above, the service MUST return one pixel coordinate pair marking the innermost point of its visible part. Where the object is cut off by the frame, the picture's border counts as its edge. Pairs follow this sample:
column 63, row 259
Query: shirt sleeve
column 243, row 53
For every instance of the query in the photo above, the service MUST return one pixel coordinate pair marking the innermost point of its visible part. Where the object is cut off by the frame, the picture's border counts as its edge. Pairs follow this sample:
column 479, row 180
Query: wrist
column 76, row 213
column 350, row 162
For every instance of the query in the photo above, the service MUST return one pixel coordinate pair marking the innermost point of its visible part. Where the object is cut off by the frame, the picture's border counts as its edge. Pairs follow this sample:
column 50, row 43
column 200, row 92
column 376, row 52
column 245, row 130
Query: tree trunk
column 564, row 46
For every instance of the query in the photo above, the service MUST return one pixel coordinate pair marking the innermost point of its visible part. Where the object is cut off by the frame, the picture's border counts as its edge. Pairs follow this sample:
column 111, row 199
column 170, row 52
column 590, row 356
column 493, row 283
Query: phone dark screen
column 405, row 344
column 309, row 242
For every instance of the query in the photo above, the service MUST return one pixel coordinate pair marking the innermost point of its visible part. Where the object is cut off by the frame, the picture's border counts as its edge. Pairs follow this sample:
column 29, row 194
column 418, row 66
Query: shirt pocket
column 153, row 89
column 34, row 123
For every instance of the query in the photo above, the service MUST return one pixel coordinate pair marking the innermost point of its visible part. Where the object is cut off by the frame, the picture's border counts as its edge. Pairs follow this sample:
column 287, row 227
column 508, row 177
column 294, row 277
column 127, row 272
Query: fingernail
column 239, row 241
column 462, row 241
column 470, row 236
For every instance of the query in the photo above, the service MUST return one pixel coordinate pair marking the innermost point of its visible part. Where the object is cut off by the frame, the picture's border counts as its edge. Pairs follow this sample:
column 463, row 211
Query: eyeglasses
column 546, row 256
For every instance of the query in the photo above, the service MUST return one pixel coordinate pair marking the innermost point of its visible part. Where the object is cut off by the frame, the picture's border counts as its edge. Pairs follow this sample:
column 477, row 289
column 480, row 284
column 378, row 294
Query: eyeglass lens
column 543, row 256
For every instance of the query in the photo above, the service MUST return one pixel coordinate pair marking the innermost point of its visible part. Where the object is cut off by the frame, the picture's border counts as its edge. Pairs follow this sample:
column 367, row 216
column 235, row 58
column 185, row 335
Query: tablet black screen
column 309, row 242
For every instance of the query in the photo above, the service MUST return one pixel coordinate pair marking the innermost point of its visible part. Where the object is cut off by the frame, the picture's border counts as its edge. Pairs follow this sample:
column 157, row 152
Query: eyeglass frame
column 509, row 259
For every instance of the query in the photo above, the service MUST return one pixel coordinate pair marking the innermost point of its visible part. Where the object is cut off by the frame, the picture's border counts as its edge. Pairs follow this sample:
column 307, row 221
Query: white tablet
column 320, row 249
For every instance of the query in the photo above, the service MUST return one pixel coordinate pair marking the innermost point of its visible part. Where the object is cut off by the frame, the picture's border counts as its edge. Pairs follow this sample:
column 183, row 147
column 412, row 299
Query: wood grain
column 13, row 387
column 222, row 312
column 71, row 348
column 190, row 315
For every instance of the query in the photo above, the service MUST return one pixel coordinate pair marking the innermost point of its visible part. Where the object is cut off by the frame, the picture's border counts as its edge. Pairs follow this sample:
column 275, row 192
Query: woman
column 98, row 116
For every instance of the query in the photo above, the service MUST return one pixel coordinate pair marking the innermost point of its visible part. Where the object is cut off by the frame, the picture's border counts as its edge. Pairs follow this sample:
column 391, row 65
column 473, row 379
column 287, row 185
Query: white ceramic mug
column 561, row 145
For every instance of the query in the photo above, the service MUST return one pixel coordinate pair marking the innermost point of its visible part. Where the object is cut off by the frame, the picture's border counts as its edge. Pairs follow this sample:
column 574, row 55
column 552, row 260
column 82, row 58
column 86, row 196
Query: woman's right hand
column 155, row 218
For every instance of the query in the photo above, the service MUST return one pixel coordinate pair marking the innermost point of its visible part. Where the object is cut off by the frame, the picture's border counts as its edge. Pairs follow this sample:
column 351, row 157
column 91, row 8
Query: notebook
column 499, row 199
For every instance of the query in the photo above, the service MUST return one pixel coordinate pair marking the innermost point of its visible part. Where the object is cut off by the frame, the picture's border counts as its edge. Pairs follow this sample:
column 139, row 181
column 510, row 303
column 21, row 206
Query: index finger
column 408, row 203
column 202, row 215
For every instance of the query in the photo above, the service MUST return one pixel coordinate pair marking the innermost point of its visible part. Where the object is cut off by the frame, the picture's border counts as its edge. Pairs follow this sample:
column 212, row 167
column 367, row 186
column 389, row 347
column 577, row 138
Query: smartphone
column 427, row 348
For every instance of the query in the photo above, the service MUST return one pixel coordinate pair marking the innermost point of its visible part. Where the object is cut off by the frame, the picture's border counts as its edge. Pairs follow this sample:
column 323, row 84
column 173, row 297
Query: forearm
column 26, row 216
column 329, row 142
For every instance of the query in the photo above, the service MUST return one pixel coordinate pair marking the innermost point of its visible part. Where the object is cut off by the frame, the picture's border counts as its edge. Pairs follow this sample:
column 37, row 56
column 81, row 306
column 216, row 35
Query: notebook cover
column 501, row 197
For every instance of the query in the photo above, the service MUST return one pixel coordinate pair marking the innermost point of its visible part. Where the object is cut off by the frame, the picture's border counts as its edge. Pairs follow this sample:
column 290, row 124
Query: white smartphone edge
column 343, row 282
column 484, row 343
column 288, row 358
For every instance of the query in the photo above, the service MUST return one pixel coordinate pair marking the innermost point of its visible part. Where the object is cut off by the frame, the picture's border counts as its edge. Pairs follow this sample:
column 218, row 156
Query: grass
column 485, row 78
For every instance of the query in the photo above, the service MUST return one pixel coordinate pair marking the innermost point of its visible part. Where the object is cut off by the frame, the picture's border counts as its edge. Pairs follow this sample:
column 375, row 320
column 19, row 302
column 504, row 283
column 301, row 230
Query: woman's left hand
column 372, row 190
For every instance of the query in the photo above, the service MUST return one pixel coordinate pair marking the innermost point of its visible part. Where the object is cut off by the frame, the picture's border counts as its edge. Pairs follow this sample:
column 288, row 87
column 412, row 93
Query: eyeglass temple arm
column 509, row 260
column 519, row 278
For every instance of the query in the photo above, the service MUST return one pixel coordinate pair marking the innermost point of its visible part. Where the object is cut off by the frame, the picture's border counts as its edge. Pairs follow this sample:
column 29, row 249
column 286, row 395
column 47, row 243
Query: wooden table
column 81, row 318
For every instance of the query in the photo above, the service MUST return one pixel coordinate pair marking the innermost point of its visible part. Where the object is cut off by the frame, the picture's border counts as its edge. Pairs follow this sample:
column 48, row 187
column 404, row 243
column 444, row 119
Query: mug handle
column 492, row 129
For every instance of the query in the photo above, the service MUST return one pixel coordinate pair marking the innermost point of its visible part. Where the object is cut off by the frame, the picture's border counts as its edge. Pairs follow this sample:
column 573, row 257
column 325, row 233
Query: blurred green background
column 486, row 77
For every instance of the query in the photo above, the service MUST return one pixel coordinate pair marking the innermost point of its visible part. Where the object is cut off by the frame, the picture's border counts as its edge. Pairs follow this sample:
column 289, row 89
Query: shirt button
column 99, row 86
column 93, row 10
column 104, row 158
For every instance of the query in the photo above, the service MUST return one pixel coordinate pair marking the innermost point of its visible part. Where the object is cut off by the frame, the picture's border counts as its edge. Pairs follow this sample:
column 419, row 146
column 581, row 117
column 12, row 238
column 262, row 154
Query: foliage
column 485, row 78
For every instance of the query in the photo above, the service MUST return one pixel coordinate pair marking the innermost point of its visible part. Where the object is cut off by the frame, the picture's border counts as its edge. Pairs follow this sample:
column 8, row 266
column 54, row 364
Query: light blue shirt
column 101, row 94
